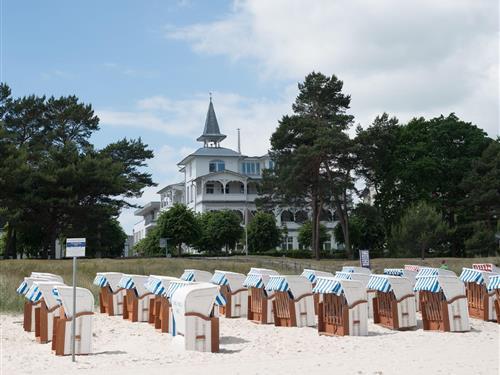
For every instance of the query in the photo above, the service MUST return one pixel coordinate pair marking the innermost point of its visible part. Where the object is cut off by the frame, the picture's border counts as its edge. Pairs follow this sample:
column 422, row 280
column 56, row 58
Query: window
column 216, row 166
column 271, row 164
column 251, row 168
column 209, row 188
column 287, row 244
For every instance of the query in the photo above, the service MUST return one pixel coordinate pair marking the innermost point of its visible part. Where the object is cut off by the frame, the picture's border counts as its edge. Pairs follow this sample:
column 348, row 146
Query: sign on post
column 75, row 247
column 364, row 258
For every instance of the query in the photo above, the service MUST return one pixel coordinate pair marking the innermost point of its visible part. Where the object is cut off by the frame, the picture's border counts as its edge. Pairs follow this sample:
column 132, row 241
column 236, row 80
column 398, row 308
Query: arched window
column 216, row 166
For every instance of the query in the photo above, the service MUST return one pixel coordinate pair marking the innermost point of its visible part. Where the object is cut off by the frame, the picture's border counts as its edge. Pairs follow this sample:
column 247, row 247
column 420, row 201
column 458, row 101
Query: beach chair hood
column 353, row 290
column 470, row 275
column 258, row 277
column 401, row 286
column 26, row 284
column 84, row 299
column 311, row 275
column 196, row 275
column 232, row 279
column 489, row 267
column 431, row 271
column 136, row 282
column 450, row 285
column 111, row 279
column 494, row 283
column 297, row 285
column 158, row 285
column 354, row 269
column 193, row 298
column 46, row 275
column 43, row 289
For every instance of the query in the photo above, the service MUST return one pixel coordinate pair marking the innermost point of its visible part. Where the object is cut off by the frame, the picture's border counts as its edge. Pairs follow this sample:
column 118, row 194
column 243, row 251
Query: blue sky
column 147, row 66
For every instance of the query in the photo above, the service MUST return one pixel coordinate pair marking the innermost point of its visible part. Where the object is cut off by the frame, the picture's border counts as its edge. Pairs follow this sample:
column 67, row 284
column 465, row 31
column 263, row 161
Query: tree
column 306, row 233
column 220, row 229
column 53, row 182
column 263, row 234
column 421, row 228
column 311, row 151
column 180, row 225
column 479, row 217
column 366, row 228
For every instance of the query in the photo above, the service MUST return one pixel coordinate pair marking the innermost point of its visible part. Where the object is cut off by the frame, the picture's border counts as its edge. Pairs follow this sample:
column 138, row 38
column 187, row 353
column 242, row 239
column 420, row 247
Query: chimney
column 239, row 144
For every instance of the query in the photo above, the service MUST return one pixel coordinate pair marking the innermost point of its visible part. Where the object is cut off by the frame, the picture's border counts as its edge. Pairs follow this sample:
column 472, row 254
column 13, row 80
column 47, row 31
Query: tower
column 211, row 136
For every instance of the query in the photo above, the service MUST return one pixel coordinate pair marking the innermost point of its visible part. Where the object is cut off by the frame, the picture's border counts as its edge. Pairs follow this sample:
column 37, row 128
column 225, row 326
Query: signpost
column 364, row 258
column 75, row 247
column 163, row 243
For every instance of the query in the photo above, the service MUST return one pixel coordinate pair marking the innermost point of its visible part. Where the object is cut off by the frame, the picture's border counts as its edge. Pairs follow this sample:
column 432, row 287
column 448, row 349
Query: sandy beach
column 121, row 347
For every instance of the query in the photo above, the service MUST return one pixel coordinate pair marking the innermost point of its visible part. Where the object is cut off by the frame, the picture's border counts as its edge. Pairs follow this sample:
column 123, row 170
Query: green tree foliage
column 180, row 225
column 421, row 228
column 55, row 184
column 312, row 152
column 481, row 206
column 306, row 232
column 366, row 227
column 150, row 245
column 220, row 230
column 263, row 234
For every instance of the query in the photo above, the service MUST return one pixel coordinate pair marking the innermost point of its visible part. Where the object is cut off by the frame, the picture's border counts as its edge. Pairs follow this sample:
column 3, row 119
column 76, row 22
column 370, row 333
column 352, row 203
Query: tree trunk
column 422, row 249
column 179, row 250
column 344, row 223
column 314, row 224
column 317, row 250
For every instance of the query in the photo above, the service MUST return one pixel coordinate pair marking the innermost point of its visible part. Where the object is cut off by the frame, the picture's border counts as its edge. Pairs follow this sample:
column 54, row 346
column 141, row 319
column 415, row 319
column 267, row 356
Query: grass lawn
column 13, row 271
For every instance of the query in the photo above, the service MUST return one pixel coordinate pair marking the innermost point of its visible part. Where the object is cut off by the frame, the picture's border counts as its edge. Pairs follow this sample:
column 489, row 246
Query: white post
column 73, row 319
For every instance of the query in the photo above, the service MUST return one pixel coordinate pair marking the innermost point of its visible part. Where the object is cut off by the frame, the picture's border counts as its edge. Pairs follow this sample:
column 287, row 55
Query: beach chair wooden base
column 497, row 305
column 478, row 301
column 59, row 334
column 435, row 313
column 131, row 306
column 227, row 309
column 107, row 299
column 333, row 316
column 258, row 301
column 163, row 316
column 385, row 311
column 284, row 310
column 42, row 316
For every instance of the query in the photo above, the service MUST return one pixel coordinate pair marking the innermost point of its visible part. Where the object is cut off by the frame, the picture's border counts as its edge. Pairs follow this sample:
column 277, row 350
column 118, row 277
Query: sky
column 147, row 67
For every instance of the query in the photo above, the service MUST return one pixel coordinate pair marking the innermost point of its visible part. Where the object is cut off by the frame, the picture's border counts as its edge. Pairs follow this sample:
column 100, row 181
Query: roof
column 211, row 131
column 179, row 184
column 494, row 283
column 210, row 151
column 150, row 206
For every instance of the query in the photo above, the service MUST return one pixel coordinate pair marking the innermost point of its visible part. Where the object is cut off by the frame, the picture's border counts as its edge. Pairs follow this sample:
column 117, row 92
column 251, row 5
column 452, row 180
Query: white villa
column 218, row 178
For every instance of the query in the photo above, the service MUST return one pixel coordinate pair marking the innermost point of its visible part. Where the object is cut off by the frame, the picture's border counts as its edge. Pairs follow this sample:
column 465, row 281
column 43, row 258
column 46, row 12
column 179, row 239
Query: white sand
column 123, row 348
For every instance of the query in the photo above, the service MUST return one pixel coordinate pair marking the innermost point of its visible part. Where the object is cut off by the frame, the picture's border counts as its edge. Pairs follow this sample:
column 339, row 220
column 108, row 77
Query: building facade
column 218, row 178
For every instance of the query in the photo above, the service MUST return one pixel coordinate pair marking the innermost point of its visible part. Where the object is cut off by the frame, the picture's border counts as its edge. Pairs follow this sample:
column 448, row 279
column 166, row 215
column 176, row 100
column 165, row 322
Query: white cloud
column 410, row 58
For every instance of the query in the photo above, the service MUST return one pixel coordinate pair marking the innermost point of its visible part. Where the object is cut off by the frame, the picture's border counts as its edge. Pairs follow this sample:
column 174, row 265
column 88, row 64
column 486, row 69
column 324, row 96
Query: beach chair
column 363, row 278
column 354, row 269
column 494, row 287
column 443, row 303
column 260, row 301
column 344, row 307
column 481, row 302
column 196, row 276
column 293, row 304
column 30, row 308
column 40, row 294
column 110, row 293
column 159, row 306
column 312, row 275
column 61, row 339
column 410, row 274
column 136, row 299
column 488, row 267
column 195, row 327
column 394, row 306
column 235, row 294
column 173, row 286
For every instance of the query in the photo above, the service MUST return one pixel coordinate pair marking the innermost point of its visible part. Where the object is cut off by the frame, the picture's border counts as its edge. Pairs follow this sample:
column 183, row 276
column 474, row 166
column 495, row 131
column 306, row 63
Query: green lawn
column 13, row 271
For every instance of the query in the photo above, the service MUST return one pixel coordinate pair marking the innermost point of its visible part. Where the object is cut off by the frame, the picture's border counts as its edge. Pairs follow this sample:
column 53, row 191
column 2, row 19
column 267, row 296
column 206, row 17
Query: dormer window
column 216, row 166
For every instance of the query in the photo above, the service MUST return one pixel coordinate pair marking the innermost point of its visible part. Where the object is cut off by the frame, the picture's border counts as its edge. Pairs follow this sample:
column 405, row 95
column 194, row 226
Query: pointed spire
column 211, row 133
